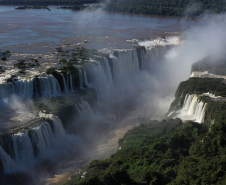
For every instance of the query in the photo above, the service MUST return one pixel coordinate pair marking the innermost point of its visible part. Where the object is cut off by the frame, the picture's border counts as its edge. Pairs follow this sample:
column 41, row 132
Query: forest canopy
column 46, row 2
column 165, row 7
column 152, row 7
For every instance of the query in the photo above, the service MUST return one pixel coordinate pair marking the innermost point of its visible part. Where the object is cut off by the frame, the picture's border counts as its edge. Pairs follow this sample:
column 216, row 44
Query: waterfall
column 41, row 86
column 24, row 88
column 71, row 83
column 79, row 111
column 42, row 137
column 96, row 77
column 30, row 144
column 198, row 111
column 58, row 128
column 47, row 134
column 156, row 53
column 143, row 63
column 84, row 109
column 6, row 90
column 36, row 94
column 126, row 64
column 22, row 147
column 107, row 69
column 187, row 101
column 192, row 108
column 49, row 86
column 65, row 85
column 85, row 78
column 6, row 161
column 80, row 79
column 201, row 117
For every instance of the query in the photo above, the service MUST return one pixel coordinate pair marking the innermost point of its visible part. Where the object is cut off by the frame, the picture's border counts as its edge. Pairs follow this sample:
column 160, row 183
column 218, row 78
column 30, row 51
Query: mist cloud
column 206, row 38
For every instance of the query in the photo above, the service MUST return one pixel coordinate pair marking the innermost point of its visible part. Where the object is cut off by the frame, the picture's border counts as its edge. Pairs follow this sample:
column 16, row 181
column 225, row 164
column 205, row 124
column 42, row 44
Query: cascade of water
column 65, row 85
column 54, row 87
column 28, row 145
column 58, row 128
column 76, row 106
column 203, row 113
column 96, row 77
column 85, row 109
column 107, row 69
column 71, row 82
column 143, row 62
column 44, row 86
column 126, row 64
column 85, row 78
column 80, row 79
column 156, row 53
column 6, row 160
column 198, row 111
column 37, row 139
column 116, row 70
column 42, row 137
column 192, row 108
column 47, row 134
column 24, row 88
column 187, row 102
column 36, row 93
column 67, row 81
column 6, row 90
column 22, row 147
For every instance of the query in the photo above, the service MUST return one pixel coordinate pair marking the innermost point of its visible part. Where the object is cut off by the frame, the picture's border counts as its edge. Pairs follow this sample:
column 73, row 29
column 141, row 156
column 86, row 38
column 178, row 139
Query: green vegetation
column 197, row 86
column 152, row 7
column 10, row 79
column 22, row 64
column 74, row 7
column 215, row 67
column 31, row 7
column 59, row 49
column 3, row 58
column 51, row 70
column 47, row 2
column 165, row 152
column 1, row 70
column 74, row 55
column 163, row 7
column 7, row 52
column 66, row 69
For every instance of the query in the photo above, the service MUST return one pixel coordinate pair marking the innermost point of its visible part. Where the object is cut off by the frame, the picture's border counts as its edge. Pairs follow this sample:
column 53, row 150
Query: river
column 102, row 29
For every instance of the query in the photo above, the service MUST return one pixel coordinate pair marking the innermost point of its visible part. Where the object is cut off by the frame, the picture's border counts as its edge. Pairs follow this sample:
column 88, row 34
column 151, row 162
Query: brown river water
column 40, row 27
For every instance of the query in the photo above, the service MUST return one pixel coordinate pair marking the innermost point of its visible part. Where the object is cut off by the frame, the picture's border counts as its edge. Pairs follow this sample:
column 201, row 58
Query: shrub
column 20, row 64
column 3, row 58
column 51, row 70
